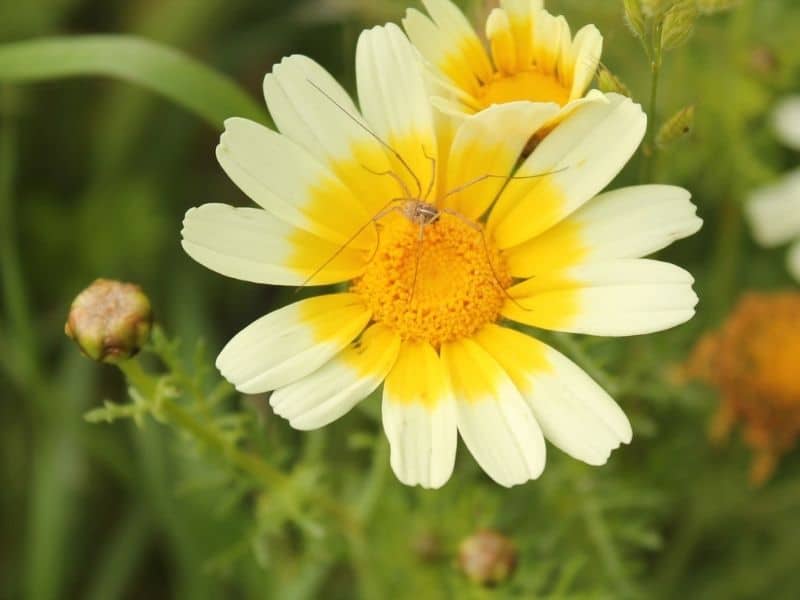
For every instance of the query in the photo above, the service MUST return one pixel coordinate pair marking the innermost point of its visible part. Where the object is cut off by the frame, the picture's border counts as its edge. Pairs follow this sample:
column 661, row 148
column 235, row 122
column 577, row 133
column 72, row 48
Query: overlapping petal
column 575, row 413
column 493, row 419
column 533, row 56
column 624, row 223
column 488, row 146
column 253, row 245
column 571, row 165
column 286, row 180
column 341, row 383
column 394, row 101
column 292, row 342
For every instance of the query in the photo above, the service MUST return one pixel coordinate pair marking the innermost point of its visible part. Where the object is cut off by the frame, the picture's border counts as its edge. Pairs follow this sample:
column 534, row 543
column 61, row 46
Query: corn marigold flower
column 375, row 198
column 532, row 56
column 752, row 361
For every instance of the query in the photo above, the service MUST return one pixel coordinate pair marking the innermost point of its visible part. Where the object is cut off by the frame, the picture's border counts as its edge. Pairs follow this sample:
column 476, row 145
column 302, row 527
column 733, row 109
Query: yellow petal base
column 531, row 85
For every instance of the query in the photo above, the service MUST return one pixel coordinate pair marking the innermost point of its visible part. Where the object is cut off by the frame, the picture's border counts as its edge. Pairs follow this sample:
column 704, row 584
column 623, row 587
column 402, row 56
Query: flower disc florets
column 434, row 284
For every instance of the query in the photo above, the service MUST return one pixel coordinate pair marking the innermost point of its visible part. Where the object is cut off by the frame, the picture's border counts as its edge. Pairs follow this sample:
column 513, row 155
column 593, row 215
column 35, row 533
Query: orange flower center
column 530, row 85
column 440, row 288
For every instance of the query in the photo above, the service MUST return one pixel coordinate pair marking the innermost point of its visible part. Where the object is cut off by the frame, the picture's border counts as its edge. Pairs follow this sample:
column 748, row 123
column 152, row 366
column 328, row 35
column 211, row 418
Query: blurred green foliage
column 95, row 175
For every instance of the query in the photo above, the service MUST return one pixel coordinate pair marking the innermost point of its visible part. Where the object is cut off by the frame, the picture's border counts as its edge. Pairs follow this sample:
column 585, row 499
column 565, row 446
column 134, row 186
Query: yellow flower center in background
column 454, row 292
column 530, row 85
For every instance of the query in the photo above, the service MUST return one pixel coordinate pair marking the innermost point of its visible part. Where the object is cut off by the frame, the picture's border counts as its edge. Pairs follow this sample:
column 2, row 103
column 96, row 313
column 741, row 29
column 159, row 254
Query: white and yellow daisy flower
column 534, row 57
column 427, row 300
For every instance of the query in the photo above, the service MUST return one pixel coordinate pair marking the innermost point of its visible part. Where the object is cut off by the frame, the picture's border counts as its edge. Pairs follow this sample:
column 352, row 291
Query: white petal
column 394, row 100
column 786, row 121
column 574, row 162
column 614, row 298
column 625, row 223
column 575, row 413
column 457, row 32
column 419, row 418
column 794, row 261
column 551, row 36
column 302, row 98
column 288, row 182
column 291, row 342
column 444, row 56
column 493, row 419
column 584, row 56
column 252, row 245
column 312, row 109
column 774, row 210
column 333, row 389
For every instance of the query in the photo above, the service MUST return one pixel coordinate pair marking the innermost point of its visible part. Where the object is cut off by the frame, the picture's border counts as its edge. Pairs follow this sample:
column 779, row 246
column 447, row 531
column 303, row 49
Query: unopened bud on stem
column 487, row 557
column 110, row 320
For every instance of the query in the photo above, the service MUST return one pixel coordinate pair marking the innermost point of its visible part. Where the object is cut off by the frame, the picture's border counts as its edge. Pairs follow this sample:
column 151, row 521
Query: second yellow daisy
column 533, row 56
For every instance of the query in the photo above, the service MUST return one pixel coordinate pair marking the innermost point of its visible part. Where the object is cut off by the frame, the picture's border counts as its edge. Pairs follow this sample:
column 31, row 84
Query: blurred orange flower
column 754, row 362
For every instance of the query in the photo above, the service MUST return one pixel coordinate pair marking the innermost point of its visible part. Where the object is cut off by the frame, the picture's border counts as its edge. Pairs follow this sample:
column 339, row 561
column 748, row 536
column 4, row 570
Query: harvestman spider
column 415, row 207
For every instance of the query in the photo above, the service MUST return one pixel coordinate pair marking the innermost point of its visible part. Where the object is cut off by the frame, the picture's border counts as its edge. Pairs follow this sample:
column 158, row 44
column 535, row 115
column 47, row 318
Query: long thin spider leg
column 373, row 221
column 480, row 231
column 486, row 176
column 421, row 247
column 358, row 122
column 394, row 176
column 433, row 173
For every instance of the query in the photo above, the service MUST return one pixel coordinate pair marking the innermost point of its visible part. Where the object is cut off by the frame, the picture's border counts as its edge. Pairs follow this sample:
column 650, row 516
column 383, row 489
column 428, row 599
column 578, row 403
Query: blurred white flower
column 774, row 210
column 786, row 121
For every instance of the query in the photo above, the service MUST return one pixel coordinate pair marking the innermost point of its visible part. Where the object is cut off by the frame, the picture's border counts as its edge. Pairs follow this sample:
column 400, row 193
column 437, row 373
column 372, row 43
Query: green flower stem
column 650, row 149
column 166, row 409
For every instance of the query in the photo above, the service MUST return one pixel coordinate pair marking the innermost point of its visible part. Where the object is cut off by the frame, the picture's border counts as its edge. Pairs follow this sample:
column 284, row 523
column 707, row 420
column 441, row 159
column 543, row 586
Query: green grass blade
column 163, row 70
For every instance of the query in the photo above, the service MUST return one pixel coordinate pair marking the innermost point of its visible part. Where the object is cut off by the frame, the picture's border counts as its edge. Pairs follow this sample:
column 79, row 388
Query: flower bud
column 427, row 546
column 110, row 320
column 608, row 82
column 676, row 127
column 634, row 17
column 487, row 557
column 678, row 24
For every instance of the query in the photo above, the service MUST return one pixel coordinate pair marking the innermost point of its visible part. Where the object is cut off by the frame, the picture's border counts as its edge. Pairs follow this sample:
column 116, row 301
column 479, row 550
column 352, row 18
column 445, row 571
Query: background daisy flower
column 774, row 210
column 532, row 56
column 424, row 303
